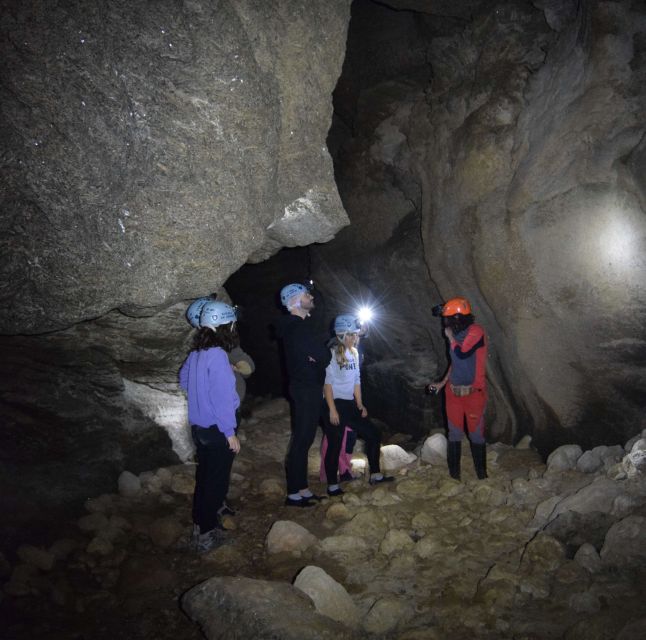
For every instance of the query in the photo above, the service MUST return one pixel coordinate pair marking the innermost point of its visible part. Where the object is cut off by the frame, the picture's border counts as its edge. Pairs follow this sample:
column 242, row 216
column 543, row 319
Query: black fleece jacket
column 306, row 356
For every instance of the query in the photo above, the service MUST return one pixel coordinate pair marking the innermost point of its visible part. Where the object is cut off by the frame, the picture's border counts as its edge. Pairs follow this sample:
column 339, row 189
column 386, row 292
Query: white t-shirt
column 343, row 378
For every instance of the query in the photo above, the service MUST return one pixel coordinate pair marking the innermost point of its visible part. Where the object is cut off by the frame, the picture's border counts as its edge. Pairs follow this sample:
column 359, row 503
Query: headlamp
column 364, row 315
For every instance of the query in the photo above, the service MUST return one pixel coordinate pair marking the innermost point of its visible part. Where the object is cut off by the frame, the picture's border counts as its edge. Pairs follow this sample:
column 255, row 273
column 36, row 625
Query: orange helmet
column 455, row 306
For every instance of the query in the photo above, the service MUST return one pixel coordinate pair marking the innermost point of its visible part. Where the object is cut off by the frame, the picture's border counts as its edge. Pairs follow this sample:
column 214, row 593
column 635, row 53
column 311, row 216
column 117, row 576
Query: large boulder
column 151, row 150
column 221, row 607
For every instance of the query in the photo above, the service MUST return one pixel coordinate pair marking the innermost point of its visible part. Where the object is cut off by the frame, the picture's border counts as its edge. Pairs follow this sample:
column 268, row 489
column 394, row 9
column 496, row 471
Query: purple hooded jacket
column 208, row 379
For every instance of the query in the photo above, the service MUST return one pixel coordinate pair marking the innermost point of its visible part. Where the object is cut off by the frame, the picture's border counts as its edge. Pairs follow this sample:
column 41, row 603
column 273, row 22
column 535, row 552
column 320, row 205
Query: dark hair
column 225, row 337
column 458, row 322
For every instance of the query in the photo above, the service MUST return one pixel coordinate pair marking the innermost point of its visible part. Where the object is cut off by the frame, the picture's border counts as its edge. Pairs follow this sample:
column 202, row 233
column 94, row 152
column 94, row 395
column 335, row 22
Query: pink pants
column 344, row 457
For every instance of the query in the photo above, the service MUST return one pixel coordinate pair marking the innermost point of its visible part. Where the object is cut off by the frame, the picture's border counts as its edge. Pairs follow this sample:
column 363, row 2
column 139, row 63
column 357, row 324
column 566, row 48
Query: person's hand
column 448, row 332
column 334, row 417
column 234, row 444
column 310, row 359
column 243, row 368
column 363, row 410
column 436, row 387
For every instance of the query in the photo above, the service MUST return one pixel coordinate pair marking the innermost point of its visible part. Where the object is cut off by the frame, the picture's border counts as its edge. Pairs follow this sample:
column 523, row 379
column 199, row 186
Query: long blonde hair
column 339, row 352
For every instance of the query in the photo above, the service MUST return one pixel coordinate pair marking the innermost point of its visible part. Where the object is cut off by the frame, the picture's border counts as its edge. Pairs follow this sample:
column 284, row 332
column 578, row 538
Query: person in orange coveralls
column 464, row 384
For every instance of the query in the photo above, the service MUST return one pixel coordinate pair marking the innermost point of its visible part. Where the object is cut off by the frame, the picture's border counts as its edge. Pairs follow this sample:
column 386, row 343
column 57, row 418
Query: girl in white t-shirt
column 343, row 405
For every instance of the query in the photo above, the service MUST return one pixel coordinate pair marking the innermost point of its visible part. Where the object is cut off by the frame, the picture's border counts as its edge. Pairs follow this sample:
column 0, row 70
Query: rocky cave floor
column 532, row 552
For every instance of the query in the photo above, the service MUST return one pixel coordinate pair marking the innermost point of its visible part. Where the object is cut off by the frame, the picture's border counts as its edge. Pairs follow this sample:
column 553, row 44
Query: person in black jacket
column 306, row 358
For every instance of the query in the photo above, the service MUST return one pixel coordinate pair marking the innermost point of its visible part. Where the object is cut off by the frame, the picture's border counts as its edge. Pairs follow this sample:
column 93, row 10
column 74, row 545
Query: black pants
column 214, row 462
column 306, row 413
column 349, row 416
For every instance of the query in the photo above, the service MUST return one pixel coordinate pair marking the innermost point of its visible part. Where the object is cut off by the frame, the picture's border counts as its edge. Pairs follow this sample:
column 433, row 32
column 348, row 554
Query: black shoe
column 346, row 476
column 335, row 492
column 315, row 498
column 303, row 502
column 382, row 479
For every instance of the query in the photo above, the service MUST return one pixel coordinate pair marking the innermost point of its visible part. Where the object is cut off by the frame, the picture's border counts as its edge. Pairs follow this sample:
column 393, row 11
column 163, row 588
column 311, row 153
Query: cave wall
column 151, row 149
column 514, row 140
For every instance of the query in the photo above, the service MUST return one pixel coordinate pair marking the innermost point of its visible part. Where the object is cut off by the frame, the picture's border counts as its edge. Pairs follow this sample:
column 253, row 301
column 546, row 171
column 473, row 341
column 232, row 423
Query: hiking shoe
column 335, row 492
column 382, row 479
column 226, row 510
column 204, row 542
column 303, row 502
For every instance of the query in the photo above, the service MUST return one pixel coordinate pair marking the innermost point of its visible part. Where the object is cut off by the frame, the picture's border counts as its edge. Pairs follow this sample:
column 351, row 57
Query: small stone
column 413, row 488
column 393, row 458
column 543, row 553
column 586, row 602
column 271, row 487
column 589, row 462
column 151, row 482
column 524, row 443
column 396, row 541
column 385, row 615
column 345, row 548
column 338, row 511
column 450, row 488
column 564, row 457
column 289, row 536
column 624, row 543
column 432, row 545
column 36, row 556
column 434, row 449
column 330, row 598
column 183, row 484
column 93, row 522
column 164, row 532
column 99, row 545
column 165, row 475
column 129, row 484
column 588, row 557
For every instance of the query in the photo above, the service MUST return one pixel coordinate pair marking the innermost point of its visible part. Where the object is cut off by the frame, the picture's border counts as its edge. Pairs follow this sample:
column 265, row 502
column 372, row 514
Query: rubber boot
column 453, row 456
column 479, row 455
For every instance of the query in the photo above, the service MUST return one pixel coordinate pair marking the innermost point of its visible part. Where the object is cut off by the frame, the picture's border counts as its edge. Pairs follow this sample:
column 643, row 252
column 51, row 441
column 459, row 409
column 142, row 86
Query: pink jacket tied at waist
column 345, row 459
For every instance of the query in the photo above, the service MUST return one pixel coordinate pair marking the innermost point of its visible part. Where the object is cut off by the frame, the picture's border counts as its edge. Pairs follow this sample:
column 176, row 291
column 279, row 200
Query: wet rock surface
column 439, row 558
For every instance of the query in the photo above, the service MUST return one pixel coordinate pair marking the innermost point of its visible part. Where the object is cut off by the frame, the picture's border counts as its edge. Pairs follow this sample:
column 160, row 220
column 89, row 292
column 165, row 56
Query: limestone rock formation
column 500, row 157
column 149, row 150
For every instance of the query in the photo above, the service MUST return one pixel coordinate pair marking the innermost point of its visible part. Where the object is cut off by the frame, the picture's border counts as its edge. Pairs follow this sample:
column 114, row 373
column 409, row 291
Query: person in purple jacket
column 209, row 381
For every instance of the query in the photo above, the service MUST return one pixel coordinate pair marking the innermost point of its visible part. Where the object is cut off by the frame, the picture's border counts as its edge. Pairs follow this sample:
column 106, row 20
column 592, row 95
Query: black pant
column 214, row 461
column 349, row 416
column 306, row 413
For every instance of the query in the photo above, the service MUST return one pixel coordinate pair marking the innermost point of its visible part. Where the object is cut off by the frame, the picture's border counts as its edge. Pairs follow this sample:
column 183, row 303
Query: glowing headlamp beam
column 364, row 314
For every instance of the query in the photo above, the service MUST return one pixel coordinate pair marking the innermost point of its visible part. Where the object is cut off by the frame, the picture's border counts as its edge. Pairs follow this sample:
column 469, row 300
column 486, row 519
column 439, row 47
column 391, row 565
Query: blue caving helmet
column 194, row 310
column 346, row 323
column 291, row 290
column 214, row 313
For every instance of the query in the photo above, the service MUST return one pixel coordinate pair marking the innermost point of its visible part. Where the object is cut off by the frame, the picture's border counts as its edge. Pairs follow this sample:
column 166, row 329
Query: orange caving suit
column 468, row 364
